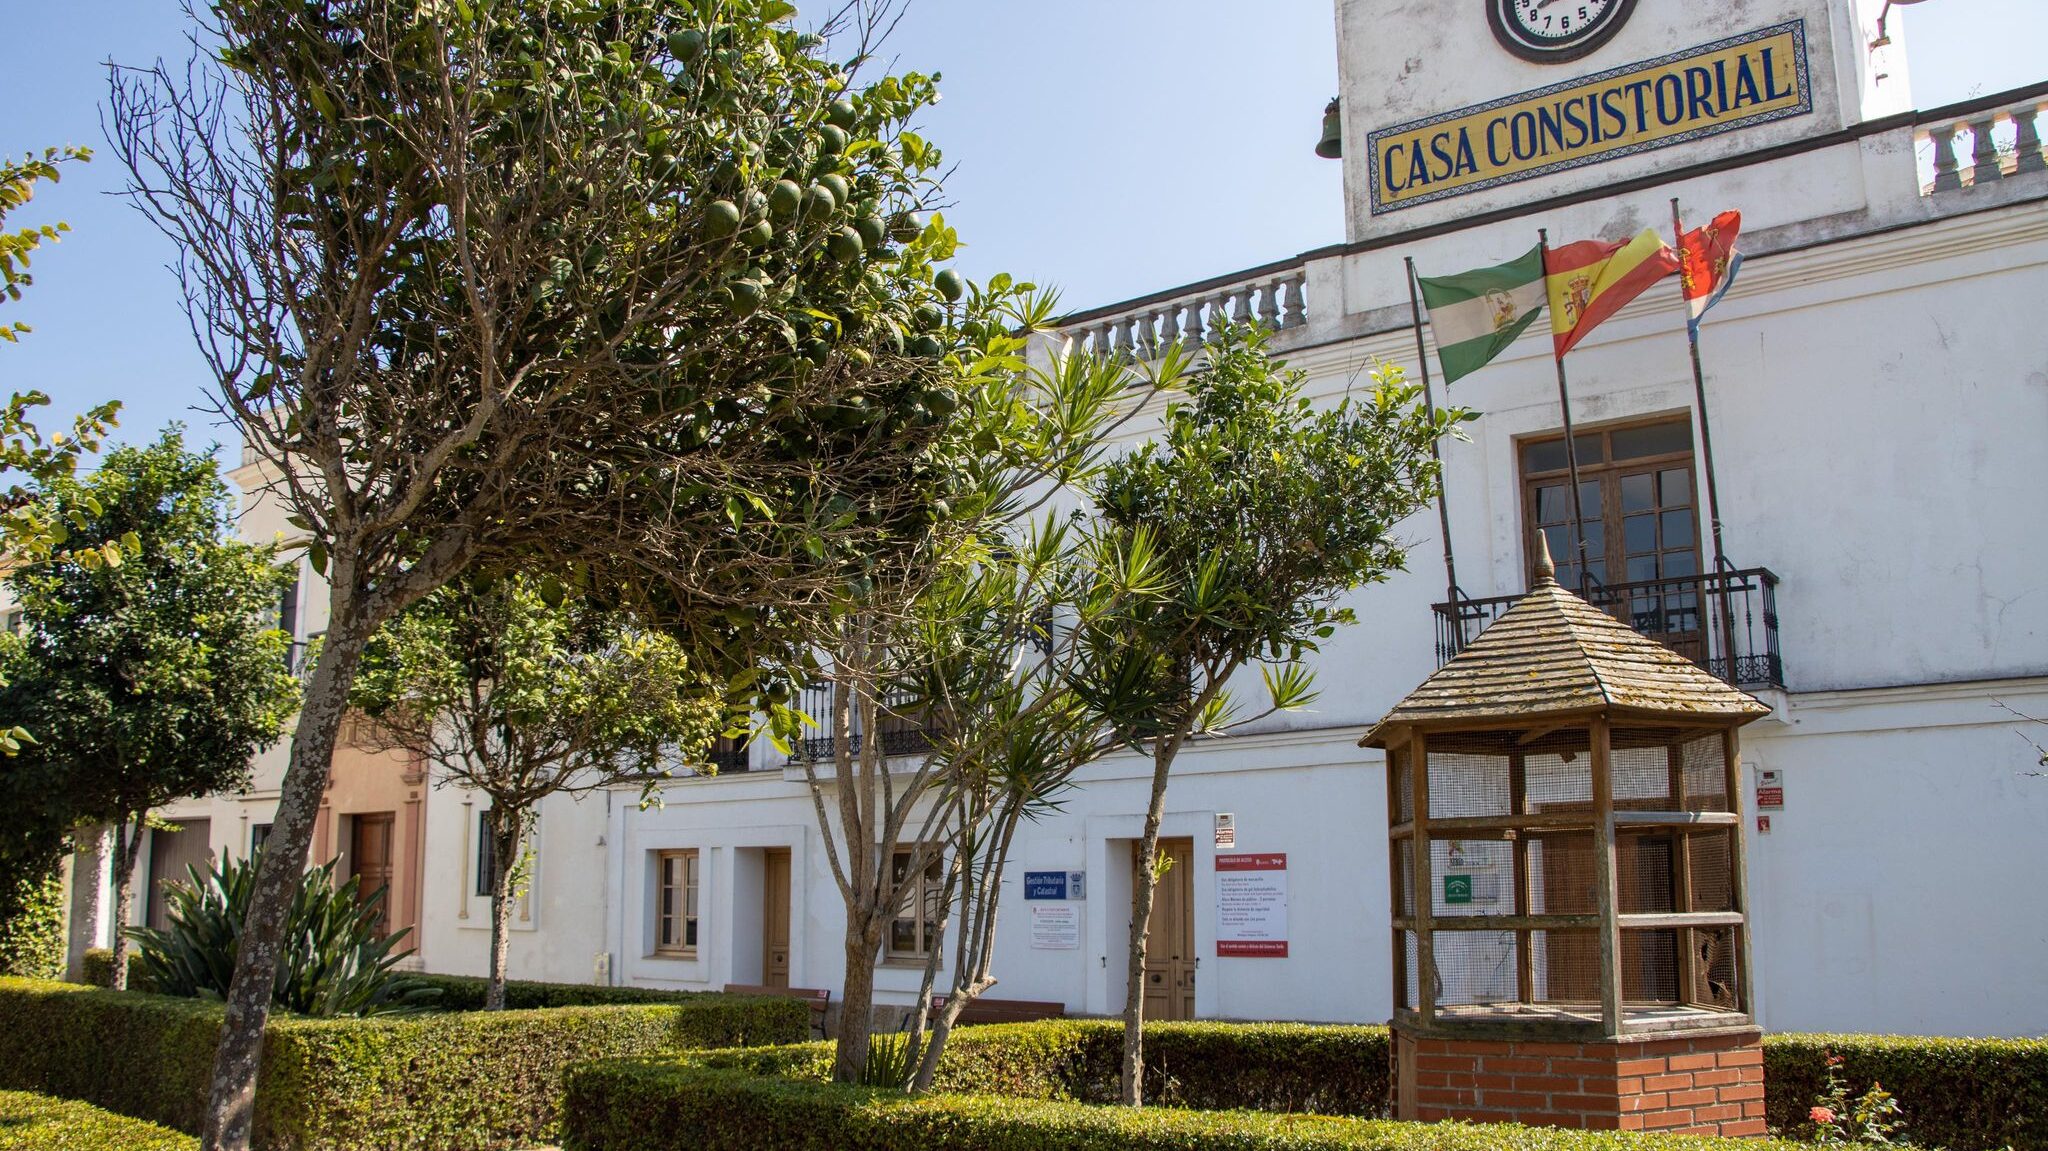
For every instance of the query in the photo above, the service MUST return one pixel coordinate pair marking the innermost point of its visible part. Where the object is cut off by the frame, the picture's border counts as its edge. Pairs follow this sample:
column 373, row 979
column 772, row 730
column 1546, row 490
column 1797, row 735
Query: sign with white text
column 1251, row 905
column 1056, row 927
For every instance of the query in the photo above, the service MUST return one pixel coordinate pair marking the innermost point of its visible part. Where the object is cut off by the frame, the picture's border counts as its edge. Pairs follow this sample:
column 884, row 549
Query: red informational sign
column 1251, row 905
column 1772, row 797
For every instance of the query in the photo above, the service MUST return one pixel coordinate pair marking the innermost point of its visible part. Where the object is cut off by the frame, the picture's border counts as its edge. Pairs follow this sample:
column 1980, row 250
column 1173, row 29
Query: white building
column 1878, row 387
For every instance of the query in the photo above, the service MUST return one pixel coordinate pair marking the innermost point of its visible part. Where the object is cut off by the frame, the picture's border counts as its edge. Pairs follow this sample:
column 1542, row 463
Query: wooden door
column 171, row 850
column 370, row 859
column 1170, row 934
column 775, row 917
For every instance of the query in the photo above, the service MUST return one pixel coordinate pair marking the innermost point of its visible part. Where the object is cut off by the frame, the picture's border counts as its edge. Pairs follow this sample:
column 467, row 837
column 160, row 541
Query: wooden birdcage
column 1565, row 833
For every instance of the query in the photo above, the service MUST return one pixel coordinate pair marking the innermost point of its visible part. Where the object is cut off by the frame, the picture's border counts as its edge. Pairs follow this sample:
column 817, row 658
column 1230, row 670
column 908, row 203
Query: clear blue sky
column 1112, row 149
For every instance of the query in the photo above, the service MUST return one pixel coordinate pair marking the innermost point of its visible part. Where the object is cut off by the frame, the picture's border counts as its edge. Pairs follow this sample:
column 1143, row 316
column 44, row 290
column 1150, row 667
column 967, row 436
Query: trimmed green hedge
column 722, row 1101
column 1330, row 1070
column 32, row 926
column 31, row 1122
column 96, row 967
column 453, row 1080
column 1962, row 1094
column 466, row 993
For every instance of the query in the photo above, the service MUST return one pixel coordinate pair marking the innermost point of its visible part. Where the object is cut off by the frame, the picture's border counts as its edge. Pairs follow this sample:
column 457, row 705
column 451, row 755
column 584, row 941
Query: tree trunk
column 126, row 846
column 1133, row 1086
column 856, row 1003
column 280, row 870
column 87, row 887
column 942, row 1029
column 505, row 843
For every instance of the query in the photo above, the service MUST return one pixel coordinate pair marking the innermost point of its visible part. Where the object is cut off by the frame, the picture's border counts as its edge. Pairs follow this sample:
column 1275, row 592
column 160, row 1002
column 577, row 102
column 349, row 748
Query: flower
column 1834, row 1060
column 1822, row 1115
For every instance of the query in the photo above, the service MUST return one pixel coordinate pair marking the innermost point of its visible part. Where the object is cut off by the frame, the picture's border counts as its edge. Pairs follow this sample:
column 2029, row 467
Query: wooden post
column 1681, row 880
column 1604, row 890
column 1731, row 745
column 1525, row 940
column 1394, row 849
column 1418, row 853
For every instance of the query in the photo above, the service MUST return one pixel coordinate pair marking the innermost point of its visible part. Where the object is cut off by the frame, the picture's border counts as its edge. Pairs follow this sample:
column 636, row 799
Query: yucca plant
column 333, row 963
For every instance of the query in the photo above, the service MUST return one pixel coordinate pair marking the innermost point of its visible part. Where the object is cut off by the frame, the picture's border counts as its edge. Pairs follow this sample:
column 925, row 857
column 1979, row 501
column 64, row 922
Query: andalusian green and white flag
column 1479, row 313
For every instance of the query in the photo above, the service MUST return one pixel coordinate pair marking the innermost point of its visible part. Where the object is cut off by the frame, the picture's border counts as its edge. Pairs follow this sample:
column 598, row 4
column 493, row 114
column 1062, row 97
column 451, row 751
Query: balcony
column 1274, row 296
column 1982, row 143
column 1724, row 621
column 900, row 734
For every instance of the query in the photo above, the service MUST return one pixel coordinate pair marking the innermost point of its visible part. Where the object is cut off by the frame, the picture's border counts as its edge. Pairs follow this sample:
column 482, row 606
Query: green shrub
column 335, row 962
column 1961, row 1094
column 32, row 926
column 97, row 968
column 39, row 1123
column 713, row 1102
column 454, row 1080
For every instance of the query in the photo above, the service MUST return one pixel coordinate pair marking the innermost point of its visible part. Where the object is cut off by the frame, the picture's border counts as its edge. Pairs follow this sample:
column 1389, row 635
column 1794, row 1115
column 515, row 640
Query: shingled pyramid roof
column 1554, row 654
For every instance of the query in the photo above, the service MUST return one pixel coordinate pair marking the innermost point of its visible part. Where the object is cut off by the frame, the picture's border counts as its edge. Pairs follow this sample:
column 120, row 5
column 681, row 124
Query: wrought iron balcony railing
column 900, row 734
column 1725, row 621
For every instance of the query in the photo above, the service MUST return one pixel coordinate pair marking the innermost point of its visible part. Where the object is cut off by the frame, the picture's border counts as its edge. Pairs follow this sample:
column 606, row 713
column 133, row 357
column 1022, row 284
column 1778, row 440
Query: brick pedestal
column 1701, row 1083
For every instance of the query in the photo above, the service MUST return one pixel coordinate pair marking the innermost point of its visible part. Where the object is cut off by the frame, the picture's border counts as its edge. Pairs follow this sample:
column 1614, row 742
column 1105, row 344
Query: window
column 1636, row 490
column 288, row 610
column 14, row 623
column 486, row 854
column 915, row 930
column 257, row 834
column 675, row 919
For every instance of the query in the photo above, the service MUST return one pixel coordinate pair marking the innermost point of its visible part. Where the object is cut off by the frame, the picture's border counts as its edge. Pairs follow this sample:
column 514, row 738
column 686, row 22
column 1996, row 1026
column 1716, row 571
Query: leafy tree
column 949, row 638
column 515, row 689
column 154, row 680
column 643, row 289
column 1263, row 512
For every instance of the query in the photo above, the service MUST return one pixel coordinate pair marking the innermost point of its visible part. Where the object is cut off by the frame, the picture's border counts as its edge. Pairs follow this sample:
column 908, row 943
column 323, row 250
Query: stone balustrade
column 1976, row 149
column 1278, row 300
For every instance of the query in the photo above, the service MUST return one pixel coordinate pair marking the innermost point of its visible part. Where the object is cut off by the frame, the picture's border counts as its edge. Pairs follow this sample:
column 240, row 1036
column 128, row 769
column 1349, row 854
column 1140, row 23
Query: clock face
column 1550, row 31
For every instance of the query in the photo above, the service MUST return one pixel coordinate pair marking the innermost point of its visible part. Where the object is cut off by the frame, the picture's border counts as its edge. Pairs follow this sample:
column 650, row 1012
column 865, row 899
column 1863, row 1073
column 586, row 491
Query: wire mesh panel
column 1714, row 952
column 1405, row 978
column 1556, row 783
column 1649, row 966
column 1561, row 876
column 1471, row 877
column 1565, row 967
column 1474, row 968
column 1465, row 784
column 1404, row 878
column 1705, row 763
column 1645, row 873
column 1642, row 778
column 1713, row 869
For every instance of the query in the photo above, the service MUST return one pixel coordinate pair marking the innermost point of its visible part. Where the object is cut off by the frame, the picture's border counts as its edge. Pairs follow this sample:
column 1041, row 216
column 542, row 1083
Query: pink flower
column 1822, row 1115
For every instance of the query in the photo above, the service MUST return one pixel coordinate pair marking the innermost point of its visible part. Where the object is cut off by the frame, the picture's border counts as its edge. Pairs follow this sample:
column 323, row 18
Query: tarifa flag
column 1589, row 281
column 1708, row 262
column 1477, row 314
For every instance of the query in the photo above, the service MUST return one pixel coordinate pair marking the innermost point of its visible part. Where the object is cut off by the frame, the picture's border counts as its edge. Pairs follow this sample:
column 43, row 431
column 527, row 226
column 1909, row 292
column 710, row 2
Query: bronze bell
column 1331, row 145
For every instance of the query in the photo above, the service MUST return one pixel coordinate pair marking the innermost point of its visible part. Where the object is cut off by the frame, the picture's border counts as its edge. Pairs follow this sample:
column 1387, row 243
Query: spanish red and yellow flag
column 1589, row 281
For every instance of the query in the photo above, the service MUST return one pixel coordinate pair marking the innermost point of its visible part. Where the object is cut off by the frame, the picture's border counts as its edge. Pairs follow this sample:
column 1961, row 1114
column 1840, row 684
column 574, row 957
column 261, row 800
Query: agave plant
column 333, row 962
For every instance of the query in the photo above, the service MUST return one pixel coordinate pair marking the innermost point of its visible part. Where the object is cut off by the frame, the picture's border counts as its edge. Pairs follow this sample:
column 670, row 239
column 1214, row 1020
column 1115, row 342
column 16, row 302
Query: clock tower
column 1453, row 108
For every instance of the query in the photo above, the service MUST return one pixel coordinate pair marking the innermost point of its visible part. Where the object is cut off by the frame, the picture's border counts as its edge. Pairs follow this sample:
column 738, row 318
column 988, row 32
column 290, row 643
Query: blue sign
column 1045, row 885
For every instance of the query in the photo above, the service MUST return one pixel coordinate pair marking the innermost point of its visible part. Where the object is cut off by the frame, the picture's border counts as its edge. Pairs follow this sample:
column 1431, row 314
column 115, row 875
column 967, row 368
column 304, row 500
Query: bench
column 985, row 1010
column 817, row 997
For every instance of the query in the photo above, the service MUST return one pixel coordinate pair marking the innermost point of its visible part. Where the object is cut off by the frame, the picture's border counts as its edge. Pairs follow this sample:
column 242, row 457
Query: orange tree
column 635, row 290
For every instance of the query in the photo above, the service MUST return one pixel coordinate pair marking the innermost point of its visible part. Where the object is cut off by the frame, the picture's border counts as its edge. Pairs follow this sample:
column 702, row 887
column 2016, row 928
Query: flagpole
column 1443, row 502
column 1699, row 389
column 1571, row 445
